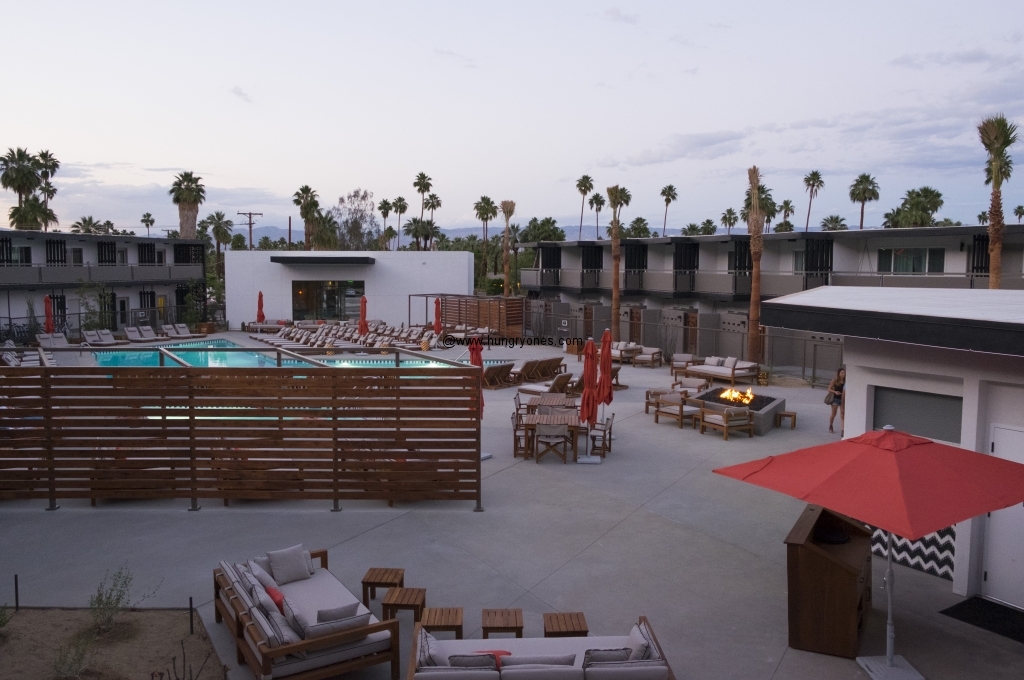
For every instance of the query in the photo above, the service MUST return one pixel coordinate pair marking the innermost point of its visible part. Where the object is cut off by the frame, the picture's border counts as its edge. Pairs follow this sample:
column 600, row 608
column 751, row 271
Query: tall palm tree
column 813, row 183
column 668, row 192
column 584, row 185
column 19, row 172
column 597, row 202
column 729, row 220
column 513, row 244
column 400, row 207
column 48, row 165
column 1019, row 212
column 87, row 225
column 422, row 184
column 385, row 209
column 325, row 231
column 147, row 221
column 983, row 218
column 387, row 235
column 417, row 230
column 188, row 193
column 308, row 203
column 755, row 226
column 220, row 229
column 508, row 209
column 787, row 208
column 433, row 203
column 485, row 210
column 997, row 136
column 32, row 214
column 863, row 189
column 618, row 198
column 431, row 232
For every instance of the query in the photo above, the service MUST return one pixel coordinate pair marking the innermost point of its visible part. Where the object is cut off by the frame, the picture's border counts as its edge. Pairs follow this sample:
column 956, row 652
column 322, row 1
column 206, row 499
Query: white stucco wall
column 389, row 281
column 992, row 388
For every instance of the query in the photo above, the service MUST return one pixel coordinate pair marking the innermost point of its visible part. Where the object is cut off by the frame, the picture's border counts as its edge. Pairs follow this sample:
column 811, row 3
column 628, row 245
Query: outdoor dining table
column 572, row 421
column 556, row 400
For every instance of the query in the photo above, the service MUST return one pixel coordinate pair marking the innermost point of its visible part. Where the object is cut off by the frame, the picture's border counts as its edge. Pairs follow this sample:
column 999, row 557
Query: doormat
column 991, row 616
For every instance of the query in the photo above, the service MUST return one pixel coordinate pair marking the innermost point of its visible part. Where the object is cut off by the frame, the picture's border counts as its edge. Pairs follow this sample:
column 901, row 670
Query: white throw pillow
column 320, row 629
column 338, row 613
column 714, row 361
column 263, row 561
column 288, row 565
column 730, row 362
column 639, row 644
column 265, row 579
column 309, row 562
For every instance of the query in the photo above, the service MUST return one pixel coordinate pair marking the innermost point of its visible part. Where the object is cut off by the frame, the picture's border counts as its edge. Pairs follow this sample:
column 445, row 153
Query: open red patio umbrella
column 476, row 358
column 588, row 402
column 906, row 485
column 48, row 308
column 437, row 316
column 260, row 316
column 364, row 328
column 604, row 385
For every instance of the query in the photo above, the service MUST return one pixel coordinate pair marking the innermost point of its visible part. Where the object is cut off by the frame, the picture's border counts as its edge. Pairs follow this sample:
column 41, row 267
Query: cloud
column 958, row 58
column 465, row 61
column 616, row 14
column 240, row 93
column 703, row 145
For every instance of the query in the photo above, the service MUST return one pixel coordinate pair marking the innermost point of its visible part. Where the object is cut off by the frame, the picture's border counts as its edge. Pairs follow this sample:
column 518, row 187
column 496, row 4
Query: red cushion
column 278, row 597
column 282, row 322
column 498, row 653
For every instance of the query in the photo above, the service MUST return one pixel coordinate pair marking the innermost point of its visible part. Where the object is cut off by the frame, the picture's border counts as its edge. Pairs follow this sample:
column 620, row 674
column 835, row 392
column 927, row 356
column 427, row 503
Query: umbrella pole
column 890, row 628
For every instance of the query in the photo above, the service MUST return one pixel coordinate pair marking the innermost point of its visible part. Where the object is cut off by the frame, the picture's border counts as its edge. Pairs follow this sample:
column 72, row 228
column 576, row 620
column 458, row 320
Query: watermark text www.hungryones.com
column 449, row 342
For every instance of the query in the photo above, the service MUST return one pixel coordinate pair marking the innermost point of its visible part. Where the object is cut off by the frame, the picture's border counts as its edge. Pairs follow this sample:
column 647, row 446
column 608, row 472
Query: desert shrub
column 113, row 599
column 5, row 616
column 72, row 658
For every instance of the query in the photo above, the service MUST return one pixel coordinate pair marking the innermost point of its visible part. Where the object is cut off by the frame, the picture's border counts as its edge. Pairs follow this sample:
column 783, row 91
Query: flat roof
column 975, row 320
column 321, row 259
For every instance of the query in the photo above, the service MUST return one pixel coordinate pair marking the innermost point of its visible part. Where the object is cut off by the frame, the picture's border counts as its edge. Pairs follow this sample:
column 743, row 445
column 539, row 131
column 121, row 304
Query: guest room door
column 1004, row 538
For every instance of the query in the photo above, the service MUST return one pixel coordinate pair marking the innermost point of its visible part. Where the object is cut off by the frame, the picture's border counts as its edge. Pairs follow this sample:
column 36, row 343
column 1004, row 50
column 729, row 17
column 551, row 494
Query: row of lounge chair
column 534, row 370
column 328, row 336
column 11, row 357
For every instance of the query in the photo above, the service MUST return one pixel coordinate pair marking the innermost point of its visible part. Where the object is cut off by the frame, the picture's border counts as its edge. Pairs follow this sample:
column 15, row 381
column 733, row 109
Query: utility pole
column 250, row 215
column 289, row 232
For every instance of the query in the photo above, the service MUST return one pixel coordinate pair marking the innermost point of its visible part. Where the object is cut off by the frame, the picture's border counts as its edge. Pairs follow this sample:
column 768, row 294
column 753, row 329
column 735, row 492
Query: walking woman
column 835, row 398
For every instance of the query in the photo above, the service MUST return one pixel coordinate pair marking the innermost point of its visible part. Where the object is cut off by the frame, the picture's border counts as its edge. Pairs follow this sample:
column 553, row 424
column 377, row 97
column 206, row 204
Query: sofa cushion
column 484, row 661
column 288, row 565
column 320, row 591
column 745, row 365
column 713, row 361
column 318, row 658
column 264, row 625
column 261, row 575
column 449, row 673
column 229, row 571
column 542, row 660
column 628, row 670
column 538, row 646
column 652, row 646
column 263, row 600
column 309, row 561
column 249, row 582
column 343, row 612
column 263, row 561
column 638, row 644
column 283, row 630
column 601, row 655
column 730, row 362
column 542, row 672
column 320, row 629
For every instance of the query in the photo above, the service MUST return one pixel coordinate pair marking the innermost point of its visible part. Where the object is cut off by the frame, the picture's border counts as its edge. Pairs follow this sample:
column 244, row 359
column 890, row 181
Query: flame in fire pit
column 741, row 397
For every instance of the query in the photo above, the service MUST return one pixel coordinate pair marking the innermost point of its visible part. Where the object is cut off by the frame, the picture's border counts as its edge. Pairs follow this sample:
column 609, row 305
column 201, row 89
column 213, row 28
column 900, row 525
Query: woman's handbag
column 829, row 398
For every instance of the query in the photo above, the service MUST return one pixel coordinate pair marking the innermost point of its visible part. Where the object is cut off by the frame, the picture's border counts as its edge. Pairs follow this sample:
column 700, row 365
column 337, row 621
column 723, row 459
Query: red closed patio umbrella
column 48, row 308
column 437, row 316
column 604, row 385
column 476, row 358
column 364, row 328
column 906, row 485
column 588, row 401
column 260, row 316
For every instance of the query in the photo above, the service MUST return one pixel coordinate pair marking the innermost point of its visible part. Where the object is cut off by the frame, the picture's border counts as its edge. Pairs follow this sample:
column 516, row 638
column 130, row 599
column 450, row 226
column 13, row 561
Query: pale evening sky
column 514, row 101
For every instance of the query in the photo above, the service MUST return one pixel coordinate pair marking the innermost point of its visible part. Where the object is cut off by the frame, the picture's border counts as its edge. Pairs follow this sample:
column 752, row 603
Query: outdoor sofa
column 319, row 630
column 549, row 658
column 624, row 352
column 728, row 369
column 648, row 356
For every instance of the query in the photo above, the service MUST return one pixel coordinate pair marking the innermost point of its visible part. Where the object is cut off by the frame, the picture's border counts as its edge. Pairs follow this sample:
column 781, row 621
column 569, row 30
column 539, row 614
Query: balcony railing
column 73, row 274
column 721, row 283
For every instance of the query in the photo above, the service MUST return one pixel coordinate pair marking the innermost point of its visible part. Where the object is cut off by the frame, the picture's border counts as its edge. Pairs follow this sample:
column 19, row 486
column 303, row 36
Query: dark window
column 60, row 310
column 550, row 258
column 76, row 257
column 106, row 253
column 328, row 300
column 979, row 254
column 739, row 260
column 936, row 260
column 936, row 416
column 911, row 260
column 147, row 299
column 6, row 252
column 22, row 254
column 818, row 256
column 56, row 252
column 147, row 253
column 884, row 260
column 635, row 256
column 160, row 257
column 187, row 253
column 593, row 257
column 686, row 257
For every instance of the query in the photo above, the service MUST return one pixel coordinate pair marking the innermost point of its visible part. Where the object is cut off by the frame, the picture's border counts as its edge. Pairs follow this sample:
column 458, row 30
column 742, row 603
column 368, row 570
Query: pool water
column 204, row 354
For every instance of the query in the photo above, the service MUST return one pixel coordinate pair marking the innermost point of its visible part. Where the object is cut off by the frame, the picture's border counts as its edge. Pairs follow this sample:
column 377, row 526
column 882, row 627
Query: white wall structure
column 388, row 280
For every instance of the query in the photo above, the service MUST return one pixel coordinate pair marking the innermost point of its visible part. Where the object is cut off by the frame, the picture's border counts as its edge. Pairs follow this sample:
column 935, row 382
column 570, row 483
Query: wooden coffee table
column 502, row 621
column 414, row 599
column 381, row 577
column 565, row 624
column 447, row 619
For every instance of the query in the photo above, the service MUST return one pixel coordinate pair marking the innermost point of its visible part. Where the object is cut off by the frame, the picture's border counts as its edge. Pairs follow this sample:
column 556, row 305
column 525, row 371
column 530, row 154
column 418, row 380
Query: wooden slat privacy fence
column 395, row 434
column 504, row 316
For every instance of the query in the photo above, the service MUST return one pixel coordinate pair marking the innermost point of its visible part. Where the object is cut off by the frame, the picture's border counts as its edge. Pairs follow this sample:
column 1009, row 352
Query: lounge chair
column 527, row 372
column 549, row 368
column 135, row 337
column 108, row 338
column 489, row 378
column 92, row 338
column 556, row 386
column 148, row 333
column 184, row 332
column 575, row 388
column 59, row 340
column 44, row 339
column 169, row 331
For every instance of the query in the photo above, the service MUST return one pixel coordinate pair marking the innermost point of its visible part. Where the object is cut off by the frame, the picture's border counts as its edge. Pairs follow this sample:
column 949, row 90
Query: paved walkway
column 651, row 531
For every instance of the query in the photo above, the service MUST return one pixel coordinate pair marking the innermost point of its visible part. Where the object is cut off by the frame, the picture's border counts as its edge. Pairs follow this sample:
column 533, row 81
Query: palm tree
column 32, row 214
column 400, row 207
column 385, row 209
column 729, row 220
column 513, row 244
column 863, row 189
column 584, row 185
column 508, row 209
column 147, row 221
column 755, row 226
column 618, row 197
column 387, row 236
column 430, row 232
column 707, row 227
column 1019, row 212
column 668, row 192
column 48, row 165
column 325, row 231
column 997, row 136
column 19, row 172
column 833, row 223
column 596, row 202
column 983, row 218
column 308, row 203
column 766, row 204
column 220, row 229
column 485, row 211
column 422, row 184
column 415, row 230
column 814, row 183
column 188, row 193
column 87, row 225
column 433, row 203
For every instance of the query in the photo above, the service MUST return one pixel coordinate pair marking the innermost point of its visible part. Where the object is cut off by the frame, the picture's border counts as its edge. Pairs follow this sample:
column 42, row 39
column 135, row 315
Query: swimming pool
column 204, row 354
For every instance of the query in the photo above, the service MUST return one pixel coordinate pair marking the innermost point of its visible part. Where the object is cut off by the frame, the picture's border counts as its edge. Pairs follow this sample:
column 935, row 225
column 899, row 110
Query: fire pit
column 762, row 407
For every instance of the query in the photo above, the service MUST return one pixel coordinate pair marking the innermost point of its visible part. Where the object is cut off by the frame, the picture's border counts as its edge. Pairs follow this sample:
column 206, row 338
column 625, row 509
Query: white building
column 329, row 284
column 943, row 364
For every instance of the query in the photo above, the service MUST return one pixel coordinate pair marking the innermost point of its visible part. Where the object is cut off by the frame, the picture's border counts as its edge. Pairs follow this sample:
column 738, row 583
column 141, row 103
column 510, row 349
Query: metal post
column 890, row 629
column 17, row 602
column 191, row 625
column 161, row 355
column 279, row 358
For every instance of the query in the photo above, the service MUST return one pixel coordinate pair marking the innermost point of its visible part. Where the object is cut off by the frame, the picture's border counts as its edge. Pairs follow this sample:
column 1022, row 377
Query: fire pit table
column 762, row 407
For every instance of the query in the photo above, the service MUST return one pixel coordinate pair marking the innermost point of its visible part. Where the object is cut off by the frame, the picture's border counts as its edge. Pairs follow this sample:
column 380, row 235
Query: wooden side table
column 381, row 577
column 565, row 624
column 780, row 415
column 446, row 619
column 501, row 621
column 414, row 599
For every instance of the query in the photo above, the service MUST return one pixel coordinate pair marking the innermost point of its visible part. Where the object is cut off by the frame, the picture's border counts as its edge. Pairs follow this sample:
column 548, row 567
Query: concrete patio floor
column 649, row 532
